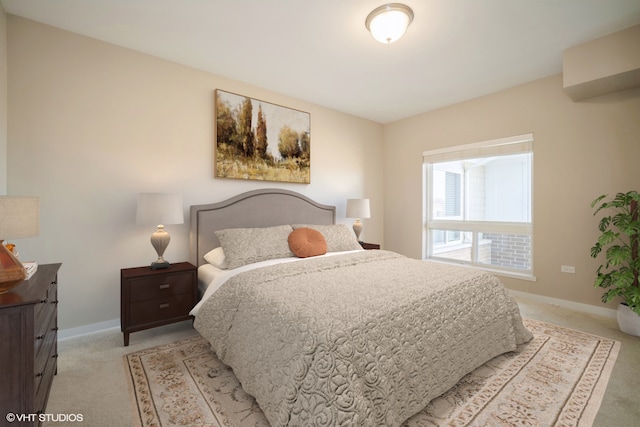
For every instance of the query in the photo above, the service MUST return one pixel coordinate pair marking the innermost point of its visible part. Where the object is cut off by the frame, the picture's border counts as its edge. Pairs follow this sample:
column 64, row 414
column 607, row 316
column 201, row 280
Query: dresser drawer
column 43, row 382
column 152, row 287
column 45, row 347
column 161, row 309
column 45, row 320
column 47, row 305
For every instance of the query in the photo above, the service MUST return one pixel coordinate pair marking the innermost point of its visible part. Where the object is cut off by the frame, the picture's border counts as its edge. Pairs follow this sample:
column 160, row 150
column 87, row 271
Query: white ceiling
column 320, row 51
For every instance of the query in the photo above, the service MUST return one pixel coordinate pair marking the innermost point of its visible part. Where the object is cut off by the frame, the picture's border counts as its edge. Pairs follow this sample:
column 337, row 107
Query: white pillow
column 216, row 258
column 248, row 245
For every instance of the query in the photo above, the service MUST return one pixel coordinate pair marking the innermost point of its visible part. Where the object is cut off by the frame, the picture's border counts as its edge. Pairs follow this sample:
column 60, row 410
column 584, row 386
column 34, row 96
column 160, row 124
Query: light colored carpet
column 558, row 378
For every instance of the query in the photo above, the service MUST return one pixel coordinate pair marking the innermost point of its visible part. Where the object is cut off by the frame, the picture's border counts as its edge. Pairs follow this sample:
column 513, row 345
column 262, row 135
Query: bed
column 352, row 337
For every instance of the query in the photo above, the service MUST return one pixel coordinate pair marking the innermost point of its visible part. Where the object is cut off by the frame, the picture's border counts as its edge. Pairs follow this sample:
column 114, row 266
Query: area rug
column 558, row 378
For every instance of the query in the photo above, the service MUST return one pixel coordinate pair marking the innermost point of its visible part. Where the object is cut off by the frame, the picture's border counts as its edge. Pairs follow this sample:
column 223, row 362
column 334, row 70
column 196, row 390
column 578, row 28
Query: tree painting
column 261, row 141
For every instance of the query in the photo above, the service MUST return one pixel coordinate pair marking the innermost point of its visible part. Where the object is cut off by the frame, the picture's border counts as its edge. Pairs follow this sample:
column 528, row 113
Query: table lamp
column 358, row 208
column 19, row 218
column 159, row 209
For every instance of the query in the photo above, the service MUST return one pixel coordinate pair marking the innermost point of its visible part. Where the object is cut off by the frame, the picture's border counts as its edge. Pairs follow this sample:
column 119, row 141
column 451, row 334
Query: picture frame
column 259, row 140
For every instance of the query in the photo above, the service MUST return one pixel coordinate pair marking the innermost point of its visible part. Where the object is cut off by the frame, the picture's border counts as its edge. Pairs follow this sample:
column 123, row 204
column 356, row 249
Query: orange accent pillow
column 307, row 242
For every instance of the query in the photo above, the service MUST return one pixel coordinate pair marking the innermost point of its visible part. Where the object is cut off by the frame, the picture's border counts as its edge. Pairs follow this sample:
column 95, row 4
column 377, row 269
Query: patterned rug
column 558, row 378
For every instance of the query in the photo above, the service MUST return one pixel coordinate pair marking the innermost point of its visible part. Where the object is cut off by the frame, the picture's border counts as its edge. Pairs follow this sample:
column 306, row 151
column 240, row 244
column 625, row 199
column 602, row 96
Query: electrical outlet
column 567, row 269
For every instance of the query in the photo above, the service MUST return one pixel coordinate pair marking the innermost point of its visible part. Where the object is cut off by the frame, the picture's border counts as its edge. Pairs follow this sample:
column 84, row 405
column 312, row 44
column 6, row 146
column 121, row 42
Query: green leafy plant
column 620, row 240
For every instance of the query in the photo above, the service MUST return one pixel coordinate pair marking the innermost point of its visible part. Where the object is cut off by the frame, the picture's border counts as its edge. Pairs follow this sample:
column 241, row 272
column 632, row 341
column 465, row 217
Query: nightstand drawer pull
column 165, row 286
column 165, row 305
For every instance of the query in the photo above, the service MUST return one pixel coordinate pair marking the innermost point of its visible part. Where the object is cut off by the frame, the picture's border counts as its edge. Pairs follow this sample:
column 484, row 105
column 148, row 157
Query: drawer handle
column 39, row 374
column 40, row 337
column 165, row 305
column 165, row 286
column 54, row 329
column 43, row 301
column 55, row 356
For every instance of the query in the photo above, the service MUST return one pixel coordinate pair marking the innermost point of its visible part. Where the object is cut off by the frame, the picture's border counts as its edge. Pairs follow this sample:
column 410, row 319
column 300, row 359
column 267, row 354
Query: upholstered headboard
column 258, row 208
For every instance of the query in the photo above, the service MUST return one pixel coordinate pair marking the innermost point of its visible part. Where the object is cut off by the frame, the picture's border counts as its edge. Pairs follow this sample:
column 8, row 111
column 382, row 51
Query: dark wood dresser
column 29, row 344
column 151, row 298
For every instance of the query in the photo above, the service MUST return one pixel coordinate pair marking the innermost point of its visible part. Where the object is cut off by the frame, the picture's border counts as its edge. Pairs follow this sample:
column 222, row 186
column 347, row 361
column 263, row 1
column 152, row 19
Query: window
column 477, row 205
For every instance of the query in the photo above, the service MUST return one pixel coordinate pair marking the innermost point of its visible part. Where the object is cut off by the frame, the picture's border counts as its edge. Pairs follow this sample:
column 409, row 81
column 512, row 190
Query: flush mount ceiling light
column 388, row 22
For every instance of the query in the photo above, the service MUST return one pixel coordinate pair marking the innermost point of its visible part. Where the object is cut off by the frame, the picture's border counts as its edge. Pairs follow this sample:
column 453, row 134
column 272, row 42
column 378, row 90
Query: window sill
column 498, row 272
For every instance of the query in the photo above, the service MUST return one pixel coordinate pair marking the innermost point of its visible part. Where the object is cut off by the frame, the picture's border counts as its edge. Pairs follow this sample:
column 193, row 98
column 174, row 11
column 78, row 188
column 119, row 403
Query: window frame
column 492, row 148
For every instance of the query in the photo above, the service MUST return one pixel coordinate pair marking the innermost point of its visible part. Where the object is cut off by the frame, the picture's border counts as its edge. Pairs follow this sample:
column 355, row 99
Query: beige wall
column 581, row 150
column 3, row 102
column 92, row 125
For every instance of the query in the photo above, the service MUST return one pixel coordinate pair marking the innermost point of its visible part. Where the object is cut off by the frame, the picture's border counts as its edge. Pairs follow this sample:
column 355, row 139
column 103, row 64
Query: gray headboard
column 258, row 208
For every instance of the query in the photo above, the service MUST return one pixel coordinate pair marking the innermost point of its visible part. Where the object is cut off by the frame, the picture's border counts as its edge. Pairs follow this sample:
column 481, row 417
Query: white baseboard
column 65, row 334
column 571, row 305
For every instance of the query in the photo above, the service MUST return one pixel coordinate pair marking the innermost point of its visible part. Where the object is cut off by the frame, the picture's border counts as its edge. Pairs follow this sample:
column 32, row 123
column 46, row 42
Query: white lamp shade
column 159, row 208
column 358, row 208
column 389, row 22
column 19, row 217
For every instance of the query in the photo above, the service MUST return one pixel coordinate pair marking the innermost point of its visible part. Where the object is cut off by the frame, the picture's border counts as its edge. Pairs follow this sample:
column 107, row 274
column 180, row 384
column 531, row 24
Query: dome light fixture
column 388, row 22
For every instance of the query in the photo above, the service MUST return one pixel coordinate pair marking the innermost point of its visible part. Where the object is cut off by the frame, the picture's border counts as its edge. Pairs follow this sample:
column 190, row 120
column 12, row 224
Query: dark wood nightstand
column 150, row 298
column 369, row 245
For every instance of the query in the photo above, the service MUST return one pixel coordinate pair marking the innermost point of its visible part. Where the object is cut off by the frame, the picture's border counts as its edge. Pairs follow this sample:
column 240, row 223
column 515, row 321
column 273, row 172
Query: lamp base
column 160, row 265
column 357, row 228
column 160, row 240
column 7, row 286
column 11, row 269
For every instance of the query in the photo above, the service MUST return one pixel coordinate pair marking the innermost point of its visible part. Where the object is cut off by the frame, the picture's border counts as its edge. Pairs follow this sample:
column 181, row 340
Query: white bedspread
column 361, row 339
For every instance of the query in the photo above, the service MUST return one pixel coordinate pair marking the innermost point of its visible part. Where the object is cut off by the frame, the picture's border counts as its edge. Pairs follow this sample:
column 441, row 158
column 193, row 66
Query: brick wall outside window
column 510, row 250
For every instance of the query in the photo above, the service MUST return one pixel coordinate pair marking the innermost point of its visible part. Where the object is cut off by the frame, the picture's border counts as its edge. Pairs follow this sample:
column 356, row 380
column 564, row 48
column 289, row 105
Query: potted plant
column 620, row 241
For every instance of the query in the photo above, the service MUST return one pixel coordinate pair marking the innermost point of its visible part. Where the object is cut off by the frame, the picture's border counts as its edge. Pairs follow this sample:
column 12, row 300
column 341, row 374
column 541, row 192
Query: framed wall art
column 258, row 140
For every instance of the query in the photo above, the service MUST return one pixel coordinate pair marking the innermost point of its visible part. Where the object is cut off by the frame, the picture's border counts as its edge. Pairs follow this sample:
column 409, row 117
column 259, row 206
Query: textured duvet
column 360, row 339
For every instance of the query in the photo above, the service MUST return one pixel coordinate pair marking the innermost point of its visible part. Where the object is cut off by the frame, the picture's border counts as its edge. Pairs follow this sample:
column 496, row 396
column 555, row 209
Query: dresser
column 29, row 344
column 151, row 298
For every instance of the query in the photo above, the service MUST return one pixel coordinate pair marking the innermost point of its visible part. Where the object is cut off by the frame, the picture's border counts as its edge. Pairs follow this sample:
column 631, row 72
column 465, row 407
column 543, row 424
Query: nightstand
column 150, row 298
column 369, row 245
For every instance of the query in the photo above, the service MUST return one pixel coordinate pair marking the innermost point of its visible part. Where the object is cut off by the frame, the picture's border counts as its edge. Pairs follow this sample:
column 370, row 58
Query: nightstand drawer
column 152, row 287
column 161, row 309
